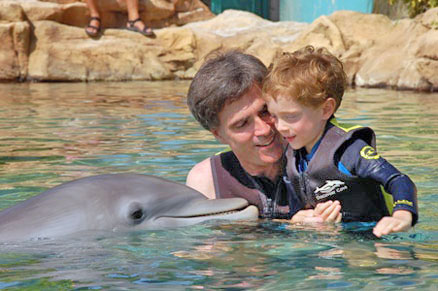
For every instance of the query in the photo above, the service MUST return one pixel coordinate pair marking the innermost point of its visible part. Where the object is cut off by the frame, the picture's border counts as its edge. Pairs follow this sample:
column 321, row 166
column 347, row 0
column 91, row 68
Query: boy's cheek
column 271, row 106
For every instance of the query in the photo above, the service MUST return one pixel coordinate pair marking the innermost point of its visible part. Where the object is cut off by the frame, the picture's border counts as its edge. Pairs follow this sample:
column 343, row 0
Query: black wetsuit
column 231, row 180
column 345, row 166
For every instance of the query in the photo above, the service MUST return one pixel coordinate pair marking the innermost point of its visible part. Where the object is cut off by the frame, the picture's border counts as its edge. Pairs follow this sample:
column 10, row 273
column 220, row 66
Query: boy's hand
column 306, row 216
column 329, row 211
column 401, row 220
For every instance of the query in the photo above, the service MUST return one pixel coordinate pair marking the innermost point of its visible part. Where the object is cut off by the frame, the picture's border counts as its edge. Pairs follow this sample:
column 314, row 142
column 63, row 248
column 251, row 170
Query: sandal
column 146, row 31
column 96, row 29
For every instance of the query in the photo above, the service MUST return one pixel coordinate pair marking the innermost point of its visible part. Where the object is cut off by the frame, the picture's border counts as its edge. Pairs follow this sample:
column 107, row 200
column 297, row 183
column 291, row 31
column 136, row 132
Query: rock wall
column 45, row 41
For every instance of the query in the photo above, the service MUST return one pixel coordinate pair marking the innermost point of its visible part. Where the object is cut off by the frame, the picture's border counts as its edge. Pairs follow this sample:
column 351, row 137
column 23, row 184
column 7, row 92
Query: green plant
column 416, row 7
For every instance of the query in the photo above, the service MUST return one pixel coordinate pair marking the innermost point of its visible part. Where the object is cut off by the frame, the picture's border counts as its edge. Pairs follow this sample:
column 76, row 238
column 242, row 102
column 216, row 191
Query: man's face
column 246, row 126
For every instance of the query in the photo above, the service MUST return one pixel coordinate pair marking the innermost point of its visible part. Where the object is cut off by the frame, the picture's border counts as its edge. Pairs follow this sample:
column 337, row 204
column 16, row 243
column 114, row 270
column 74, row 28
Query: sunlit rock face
column 45, row 40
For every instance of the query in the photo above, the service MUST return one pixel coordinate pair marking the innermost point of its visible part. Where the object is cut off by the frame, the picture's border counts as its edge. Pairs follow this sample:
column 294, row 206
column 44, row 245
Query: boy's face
column 246, row 126
column 301, row 126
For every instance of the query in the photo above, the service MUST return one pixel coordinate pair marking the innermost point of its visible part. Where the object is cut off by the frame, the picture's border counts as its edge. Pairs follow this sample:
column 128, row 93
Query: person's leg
column 93, row 27
column 134, row 19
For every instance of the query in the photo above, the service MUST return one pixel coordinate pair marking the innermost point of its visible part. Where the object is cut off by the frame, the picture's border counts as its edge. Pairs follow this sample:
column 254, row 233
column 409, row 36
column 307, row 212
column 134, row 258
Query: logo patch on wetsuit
column 331, row 187
column 369, row 153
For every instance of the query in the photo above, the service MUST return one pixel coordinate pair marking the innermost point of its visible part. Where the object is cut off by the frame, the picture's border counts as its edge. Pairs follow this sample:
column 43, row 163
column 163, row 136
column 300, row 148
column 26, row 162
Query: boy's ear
column 329, row 108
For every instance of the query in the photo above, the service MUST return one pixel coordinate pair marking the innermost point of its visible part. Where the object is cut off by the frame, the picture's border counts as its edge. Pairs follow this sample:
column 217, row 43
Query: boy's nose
column 281, row 126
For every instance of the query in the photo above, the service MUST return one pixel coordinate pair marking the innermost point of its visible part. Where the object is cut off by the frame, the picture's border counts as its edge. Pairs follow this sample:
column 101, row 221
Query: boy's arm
column 405, row 211
column 403, row 190
column 401, row 220
column 200, row 178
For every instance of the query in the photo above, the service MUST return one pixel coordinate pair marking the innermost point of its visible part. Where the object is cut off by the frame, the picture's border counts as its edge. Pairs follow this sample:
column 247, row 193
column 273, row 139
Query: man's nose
column 262, row 127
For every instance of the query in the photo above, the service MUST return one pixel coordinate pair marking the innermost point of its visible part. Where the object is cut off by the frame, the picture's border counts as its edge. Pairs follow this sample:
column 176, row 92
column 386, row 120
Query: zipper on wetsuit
column 303, row 189
column 269, row 208
column 266, row 201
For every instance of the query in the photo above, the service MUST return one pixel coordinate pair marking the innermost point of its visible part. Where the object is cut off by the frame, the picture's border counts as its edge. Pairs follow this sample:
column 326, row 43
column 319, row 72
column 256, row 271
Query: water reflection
column 76, row 130
column 54, row 132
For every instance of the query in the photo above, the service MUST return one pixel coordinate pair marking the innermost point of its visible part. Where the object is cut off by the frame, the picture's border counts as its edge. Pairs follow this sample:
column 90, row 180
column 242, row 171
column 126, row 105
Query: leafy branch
column 416, row 7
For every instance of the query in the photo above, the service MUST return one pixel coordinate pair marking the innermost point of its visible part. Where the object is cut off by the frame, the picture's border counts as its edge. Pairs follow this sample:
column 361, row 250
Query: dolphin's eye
column 137, row 215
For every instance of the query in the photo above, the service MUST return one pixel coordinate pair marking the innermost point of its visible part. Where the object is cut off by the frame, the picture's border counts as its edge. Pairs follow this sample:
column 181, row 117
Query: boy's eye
column 291, row 117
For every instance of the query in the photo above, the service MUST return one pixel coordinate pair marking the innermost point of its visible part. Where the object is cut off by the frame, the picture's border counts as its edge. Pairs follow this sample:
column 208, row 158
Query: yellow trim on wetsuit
column 344, row 126
column 389, row 200
column 227, row 149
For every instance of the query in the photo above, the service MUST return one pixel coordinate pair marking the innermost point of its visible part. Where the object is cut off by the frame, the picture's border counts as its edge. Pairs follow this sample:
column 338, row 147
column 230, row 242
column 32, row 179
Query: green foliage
column 417, row 6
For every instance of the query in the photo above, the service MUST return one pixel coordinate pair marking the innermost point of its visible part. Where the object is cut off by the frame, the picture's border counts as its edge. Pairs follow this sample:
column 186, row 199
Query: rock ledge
column 45, row 41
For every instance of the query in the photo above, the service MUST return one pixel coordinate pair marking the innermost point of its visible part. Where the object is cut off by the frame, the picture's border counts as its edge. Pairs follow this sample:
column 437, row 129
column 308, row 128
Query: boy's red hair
column 308, row 75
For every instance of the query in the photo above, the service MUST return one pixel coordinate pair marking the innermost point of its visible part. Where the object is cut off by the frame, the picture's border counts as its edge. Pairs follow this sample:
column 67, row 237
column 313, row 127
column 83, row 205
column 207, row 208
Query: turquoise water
column 54, row 132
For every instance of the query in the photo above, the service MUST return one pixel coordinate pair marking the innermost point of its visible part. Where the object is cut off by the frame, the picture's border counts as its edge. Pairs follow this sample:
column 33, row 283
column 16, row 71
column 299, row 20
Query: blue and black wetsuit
column 344, row 165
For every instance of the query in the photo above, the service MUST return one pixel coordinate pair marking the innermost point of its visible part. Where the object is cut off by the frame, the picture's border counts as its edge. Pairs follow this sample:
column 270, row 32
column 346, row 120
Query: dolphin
column 115, row 202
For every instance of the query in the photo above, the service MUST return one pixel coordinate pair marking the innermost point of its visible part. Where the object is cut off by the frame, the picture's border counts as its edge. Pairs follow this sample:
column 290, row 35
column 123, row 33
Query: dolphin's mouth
column 220, row 213
column 210, row 210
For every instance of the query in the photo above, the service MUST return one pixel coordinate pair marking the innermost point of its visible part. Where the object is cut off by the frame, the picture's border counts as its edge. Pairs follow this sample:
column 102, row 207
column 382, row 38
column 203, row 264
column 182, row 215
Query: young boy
column 328, row 160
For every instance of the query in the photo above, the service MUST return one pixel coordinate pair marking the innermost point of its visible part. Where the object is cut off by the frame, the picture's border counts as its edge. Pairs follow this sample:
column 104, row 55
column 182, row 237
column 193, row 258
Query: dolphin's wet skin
column 115, row 202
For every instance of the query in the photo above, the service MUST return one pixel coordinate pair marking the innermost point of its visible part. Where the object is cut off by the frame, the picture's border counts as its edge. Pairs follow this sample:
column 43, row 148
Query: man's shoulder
column 200, row 178
column 204, row 168
column 201, row 167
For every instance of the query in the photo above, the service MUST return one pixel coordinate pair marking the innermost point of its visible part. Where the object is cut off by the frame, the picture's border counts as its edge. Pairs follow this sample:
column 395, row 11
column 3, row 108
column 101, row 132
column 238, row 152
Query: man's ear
column 328, row 108
column 216, row 134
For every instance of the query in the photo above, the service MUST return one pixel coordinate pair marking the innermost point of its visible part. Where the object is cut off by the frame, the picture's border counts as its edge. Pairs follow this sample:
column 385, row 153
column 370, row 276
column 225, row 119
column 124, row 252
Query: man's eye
column 264, row 112
column 265, row 115
column 241, row 124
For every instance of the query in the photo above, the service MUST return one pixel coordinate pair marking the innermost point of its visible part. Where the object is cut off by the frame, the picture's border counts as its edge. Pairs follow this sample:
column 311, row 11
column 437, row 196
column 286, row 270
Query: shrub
column 416, row 7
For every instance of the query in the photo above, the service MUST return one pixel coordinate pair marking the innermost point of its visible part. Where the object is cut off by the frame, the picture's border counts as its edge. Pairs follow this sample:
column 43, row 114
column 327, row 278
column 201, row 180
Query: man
column 225, row 98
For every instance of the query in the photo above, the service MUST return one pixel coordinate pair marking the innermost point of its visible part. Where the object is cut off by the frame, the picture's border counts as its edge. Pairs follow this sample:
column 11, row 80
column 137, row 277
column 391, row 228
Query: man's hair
column 221, row 80
column 308, row 75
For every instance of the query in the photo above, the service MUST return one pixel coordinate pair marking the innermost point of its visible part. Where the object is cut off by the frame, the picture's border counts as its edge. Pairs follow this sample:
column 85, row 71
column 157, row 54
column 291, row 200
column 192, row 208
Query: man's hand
column 401, row 220
column 329, row 211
